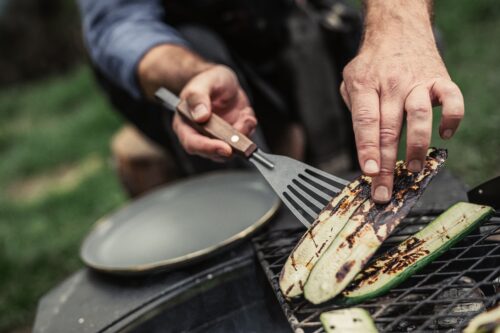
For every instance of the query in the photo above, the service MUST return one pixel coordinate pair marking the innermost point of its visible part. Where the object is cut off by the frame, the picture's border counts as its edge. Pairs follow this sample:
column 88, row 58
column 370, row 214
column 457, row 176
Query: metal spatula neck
column 168, row 99
column 258, row 157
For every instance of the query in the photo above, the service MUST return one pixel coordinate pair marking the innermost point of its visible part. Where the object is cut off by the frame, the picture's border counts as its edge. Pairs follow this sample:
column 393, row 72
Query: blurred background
column 56, row 178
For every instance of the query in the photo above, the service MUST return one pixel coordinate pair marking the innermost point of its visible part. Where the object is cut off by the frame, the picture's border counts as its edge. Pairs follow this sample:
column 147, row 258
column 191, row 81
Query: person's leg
column 142, row 151
column 140, row 163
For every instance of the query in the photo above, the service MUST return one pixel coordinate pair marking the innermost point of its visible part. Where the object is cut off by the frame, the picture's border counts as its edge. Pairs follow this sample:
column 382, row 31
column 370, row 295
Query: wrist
column 169, row 66
column 397, row 22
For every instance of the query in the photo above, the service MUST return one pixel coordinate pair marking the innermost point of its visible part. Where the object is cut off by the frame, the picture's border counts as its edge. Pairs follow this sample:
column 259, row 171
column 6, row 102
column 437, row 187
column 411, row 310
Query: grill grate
column 442, row 297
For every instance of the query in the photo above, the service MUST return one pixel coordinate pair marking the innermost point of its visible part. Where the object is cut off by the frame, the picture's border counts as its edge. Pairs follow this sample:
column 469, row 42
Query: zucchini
column 486, row 322
column 415, row 252
column 367, row 229
column 353, row 320
column 319, row 236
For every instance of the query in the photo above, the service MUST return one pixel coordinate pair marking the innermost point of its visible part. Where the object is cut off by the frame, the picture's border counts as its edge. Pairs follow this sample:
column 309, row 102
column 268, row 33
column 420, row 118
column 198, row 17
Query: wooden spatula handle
column 218, row 128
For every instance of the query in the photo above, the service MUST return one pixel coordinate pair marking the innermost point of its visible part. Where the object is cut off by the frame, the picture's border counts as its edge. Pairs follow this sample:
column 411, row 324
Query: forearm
column 398, row 21
column 398, row 75
column 170, row 66
column 118, row 34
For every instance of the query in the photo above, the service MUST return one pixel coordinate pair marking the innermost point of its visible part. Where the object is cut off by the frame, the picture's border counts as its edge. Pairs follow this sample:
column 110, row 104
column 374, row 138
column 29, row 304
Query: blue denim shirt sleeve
column 118, row 33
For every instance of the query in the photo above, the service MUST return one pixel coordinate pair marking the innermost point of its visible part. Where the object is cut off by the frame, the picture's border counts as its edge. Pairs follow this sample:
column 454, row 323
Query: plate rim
column 187, row 258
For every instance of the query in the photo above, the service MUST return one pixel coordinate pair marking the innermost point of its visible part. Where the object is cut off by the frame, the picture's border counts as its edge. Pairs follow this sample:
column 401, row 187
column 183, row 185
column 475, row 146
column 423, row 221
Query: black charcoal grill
column 442, row 297
column 231, row 292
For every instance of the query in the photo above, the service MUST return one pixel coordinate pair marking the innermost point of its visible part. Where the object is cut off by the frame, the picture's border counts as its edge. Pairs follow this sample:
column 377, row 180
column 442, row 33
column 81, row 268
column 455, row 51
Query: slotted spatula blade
column 304, row 190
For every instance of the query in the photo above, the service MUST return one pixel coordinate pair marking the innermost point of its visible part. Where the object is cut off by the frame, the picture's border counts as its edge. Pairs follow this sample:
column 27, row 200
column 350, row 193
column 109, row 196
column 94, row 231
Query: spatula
column 305, row 190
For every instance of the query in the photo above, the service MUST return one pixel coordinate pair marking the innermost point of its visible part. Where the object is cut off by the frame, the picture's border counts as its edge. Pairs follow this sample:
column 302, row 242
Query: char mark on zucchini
column 367, row 229
column 344, row 270
column 320, row 235
column 399, row 263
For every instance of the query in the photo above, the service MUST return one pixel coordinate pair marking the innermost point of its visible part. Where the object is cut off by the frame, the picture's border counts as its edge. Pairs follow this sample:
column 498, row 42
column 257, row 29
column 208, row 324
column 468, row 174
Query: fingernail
column 199, row 111
column 371, row 167
column 415, row 166
column 381, row 194
column 222, row 153
column 447, row 134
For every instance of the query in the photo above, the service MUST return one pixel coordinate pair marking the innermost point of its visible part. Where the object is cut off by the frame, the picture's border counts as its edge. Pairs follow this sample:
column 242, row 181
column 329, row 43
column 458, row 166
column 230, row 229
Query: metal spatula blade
column 304, row 190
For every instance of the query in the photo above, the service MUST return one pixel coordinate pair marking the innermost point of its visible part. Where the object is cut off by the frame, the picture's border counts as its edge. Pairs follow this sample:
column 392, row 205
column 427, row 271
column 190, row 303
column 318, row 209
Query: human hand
column 214, row 90
column 397, row 71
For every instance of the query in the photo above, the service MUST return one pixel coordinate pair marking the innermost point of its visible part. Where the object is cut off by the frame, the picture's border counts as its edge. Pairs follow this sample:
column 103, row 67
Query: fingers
column 215, row 90
column 365, row 118
column 246, row 122
column 195, row 143
column 390, row 128
column 217, row 87
column 418, row 108
column 449, row 96
column 197, row 96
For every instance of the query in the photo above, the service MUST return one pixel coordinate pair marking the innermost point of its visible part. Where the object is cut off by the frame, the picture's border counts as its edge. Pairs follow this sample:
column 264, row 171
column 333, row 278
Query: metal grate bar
column 470, row 271
column 437, row 292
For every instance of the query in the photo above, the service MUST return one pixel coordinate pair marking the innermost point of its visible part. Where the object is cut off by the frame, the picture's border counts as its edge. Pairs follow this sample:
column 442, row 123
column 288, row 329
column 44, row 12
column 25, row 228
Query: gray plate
column 179, row 223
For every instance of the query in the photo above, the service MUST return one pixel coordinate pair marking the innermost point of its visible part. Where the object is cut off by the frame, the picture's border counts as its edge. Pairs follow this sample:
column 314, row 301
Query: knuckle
column 358, row 84
column 251, row 123
column 365, row 117
column 418, row 110
column 451, row 92
column 343, row 90
column 386, row 171
column 248, row 111
column 348, row 71
column 455, row 113
column 389, row 136
column 188, row 145
column 354, row 80
column 188, row 148
column 188, row 92
column 203, row 147
column 450, row 89
column 418, row 145
column 365, row 145
column 227, row 70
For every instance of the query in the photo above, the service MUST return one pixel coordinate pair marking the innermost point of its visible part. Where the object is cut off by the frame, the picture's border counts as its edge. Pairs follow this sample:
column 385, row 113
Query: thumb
column 198, row 102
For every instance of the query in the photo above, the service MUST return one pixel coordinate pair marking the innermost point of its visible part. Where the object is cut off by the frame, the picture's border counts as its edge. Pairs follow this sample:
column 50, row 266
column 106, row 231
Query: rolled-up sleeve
column 118, row 33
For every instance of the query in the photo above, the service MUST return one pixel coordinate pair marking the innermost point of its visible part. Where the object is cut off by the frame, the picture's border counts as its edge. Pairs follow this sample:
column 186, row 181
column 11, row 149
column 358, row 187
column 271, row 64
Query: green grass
column 471, row 31
column 58, row 125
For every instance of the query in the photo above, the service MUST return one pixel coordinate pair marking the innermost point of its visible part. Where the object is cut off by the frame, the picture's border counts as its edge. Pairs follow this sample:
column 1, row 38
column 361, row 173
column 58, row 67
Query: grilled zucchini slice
column 320, row 235
column 353, row 320
column 367, row 229
column 486, row 322
column 415, row 252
